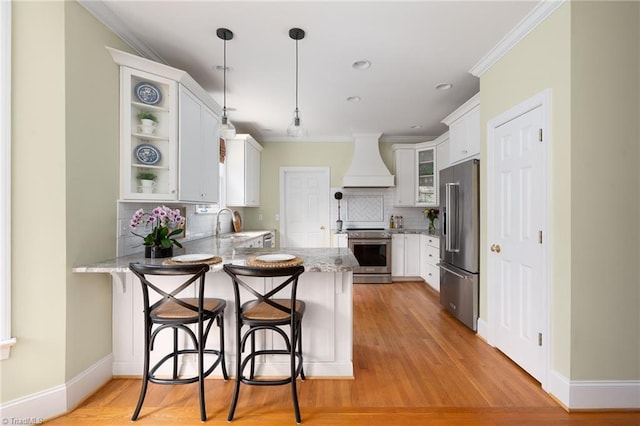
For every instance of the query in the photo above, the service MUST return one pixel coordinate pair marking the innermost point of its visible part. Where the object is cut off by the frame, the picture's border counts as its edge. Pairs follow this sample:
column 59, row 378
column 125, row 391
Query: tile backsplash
column 198, row 225
column 372, row 208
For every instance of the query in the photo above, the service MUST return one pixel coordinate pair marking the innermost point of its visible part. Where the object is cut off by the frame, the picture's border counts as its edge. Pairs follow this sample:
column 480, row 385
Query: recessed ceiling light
column 417, row 126
column 444, row 86
column 354, row 99
column 361, row 65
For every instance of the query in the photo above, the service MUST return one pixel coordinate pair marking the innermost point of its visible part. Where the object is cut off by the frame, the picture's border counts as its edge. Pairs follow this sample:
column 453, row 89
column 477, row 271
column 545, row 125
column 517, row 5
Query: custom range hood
column 367, row 170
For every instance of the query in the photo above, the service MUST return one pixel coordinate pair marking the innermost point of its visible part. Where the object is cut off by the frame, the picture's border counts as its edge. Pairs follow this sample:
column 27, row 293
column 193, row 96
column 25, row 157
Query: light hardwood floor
column 414, row 365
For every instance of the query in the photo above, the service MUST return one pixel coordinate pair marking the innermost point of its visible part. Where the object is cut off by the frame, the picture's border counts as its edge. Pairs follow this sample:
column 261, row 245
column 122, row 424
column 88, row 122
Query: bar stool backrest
column 236, row 272
column 196, row 274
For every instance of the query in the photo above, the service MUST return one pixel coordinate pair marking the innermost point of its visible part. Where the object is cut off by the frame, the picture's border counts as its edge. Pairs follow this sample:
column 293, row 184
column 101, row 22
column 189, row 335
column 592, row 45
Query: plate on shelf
column 275, row 257
column 193, row 257
column 147, row 154
column 148, row 93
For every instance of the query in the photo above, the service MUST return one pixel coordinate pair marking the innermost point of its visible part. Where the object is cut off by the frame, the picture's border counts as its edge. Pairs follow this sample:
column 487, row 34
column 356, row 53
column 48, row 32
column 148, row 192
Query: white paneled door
column 516, row 230
column 304, row 207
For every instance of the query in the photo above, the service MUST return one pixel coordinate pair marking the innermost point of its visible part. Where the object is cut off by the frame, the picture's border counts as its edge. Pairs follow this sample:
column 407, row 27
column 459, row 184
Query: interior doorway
column 517, row 233
column 304, row 207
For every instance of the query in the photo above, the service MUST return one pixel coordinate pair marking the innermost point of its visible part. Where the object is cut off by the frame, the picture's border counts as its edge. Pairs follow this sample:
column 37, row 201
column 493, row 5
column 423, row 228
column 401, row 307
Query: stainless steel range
column 372, row 249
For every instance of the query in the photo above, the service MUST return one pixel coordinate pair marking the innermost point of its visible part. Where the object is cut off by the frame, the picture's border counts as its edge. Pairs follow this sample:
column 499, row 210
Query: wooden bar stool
column 174, row 311
column 264, row 311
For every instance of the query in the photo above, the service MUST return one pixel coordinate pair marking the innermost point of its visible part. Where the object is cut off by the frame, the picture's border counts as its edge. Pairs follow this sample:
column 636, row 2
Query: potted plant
column 432, row 215
column 163, row 224
column 148, row 121
column 147, row 180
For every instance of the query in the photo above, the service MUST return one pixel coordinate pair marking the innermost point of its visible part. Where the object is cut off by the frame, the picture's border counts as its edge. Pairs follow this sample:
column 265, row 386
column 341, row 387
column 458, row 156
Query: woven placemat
column 212, row 261
column 262, row 264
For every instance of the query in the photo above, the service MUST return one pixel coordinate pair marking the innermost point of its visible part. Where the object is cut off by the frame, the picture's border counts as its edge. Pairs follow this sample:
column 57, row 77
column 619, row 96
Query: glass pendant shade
column 296, row 129
column 227, row 129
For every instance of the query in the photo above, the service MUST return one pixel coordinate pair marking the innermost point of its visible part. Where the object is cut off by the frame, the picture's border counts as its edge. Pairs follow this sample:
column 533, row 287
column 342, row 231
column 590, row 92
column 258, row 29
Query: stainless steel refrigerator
column 460, row 241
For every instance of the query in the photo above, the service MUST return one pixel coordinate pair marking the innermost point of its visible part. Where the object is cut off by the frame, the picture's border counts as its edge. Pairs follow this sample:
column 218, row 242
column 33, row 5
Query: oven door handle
column 370, row 241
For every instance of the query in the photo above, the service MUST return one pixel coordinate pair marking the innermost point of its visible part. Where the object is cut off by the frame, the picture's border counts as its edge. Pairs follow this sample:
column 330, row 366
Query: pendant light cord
column 224, row 78
column 297, row 79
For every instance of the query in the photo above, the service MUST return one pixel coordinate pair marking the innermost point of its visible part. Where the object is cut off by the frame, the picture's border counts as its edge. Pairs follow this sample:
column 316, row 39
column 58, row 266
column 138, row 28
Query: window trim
column 6, row 341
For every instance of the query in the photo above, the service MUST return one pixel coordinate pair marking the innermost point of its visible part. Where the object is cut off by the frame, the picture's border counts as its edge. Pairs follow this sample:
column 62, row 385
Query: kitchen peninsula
column 326, row 286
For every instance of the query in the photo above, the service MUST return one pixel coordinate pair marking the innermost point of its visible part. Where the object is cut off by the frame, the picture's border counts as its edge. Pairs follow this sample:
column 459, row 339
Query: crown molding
column 539, row 14
column 102, row 12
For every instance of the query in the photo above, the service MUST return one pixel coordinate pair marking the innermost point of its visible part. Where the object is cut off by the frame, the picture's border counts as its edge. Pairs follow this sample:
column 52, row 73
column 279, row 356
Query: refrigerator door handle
column 451, row 200
column 451, row 271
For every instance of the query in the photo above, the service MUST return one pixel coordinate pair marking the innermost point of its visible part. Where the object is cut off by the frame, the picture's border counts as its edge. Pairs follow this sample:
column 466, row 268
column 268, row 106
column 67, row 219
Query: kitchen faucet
column 218, row 219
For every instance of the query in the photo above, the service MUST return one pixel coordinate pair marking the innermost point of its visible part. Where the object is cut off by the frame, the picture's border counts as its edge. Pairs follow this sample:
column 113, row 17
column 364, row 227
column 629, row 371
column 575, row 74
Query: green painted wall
column 605, row 207
column 65, row 123
column 336, row 156
column 587, row 54
column 540, row 61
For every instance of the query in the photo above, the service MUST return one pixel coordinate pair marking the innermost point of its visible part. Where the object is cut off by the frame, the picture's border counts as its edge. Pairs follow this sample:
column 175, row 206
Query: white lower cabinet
column 327, row 327
column 429, row 258
column 405, row 255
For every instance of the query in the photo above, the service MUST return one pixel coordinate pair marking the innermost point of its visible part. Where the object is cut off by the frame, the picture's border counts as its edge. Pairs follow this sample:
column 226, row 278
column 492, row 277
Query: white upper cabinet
column 416, row 174
column 464, row 131
column 405, row 161
column 243, row 171
column 199, row 150
column 426, row 179
column 442, row 152
column 151, row 151
column 182, row 149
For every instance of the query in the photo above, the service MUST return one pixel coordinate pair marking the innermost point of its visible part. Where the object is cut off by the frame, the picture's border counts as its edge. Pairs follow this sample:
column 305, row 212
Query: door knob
column 495, row 248
column 322, row 227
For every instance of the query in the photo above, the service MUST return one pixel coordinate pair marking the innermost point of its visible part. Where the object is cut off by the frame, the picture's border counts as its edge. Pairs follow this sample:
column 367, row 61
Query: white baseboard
column 59, row 399
column 594, row 394
column 483, row 329
column 87, row 382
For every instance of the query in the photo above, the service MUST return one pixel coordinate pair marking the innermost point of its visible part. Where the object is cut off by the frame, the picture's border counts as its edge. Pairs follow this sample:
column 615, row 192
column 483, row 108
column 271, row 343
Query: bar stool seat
column 176, row 313
column 266, row 312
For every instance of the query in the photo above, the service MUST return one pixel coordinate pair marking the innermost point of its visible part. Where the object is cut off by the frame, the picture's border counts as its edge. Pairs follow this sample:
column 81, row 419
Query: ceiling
column 412, row 47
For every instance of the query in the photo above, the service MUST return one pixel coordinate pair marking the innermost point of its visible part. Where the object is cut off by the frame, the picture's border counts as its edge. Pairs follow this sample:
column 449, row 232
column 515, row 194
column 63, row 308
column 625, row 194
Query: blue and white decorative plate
column 147, row 154
column 148, row 93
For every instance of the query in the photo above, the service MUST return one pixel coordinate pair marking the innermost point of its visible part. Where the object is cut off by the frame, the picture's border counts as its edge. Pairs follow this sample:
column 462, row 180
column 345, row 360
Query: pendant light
column 296, row 129
column 227, row 129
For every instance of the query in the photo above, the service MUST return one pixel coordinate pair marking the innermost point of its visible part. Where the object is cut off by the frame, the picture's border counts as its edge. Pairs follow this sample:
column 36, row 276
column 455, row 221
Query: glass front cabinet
column 426, row 185
column 149, row 151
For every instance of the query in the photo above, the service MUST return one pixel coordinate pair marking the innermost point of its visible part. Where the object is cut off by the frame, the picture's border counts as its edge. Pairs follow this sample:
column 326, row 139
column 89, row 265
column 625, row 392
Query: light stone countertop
column 315, row 259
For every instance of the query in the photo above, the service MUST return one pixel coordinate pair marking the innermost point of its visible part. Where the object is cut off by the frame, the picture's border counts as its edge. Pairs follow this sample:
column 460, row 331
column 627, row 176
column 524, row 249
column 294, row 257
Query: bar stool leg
column 200, row 343
column 220, row 322
column 145, row 373
column 236, row 390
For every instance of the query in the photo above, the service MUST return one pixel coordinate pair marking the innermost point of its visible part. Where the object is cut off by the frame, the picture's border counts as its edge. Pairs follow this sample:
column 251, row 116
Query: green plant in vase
column 432, row 215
